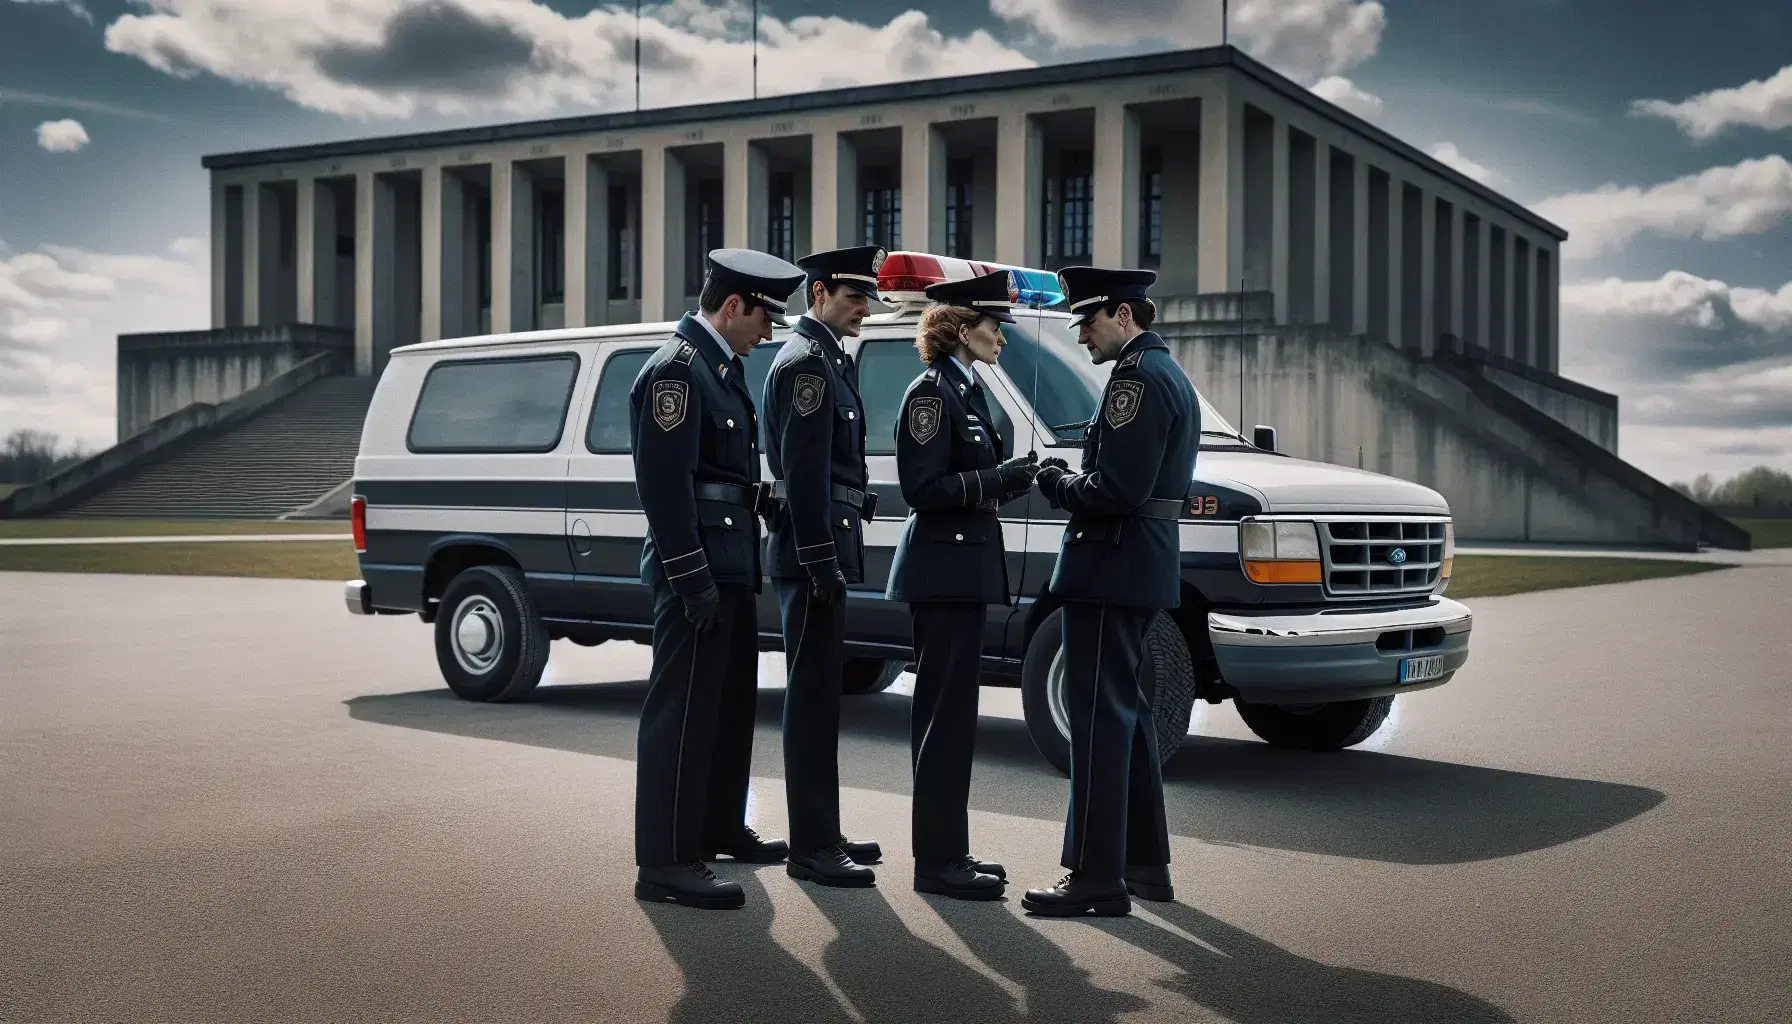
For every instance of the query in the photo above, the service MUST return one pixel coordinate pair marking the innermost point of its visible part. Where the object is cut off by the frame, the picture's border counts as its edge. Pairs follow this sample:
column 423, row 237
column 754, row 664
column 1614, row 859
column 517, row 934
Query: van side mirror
column 1264, row 437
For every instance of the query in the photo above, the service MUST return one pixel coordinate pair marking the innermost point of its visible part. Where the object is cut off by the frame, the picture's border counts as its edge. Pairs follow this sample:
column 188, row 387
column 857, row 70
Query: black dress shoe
column 688, row 885
column 829, row 866
column 990, row 867
column 959, row 879
column 749, row 848
column 1077, row 894
column 862, row 851
column 1150, row 882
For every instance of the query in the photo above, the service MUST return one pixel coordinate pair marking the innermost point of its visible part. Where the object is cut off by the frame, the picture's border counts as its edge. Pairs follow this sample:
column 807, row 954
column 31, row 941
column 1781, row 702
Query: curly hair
column 937, row 336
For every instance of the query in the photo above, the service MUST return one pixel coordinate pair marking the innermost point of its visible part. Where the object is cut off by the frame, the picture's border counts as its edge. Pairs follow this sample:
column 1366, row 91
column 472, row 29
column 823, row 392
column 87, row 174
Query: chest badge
column 924, row 419
column 669, row 403
column 1124, row 399
column 807, row 394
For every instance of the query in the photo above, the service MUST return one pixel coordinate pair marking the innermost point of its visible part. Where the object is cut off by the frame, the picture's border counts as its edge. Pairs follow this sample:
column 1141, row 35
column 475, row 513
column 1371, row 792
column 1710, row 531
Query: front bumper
column 1333, row 654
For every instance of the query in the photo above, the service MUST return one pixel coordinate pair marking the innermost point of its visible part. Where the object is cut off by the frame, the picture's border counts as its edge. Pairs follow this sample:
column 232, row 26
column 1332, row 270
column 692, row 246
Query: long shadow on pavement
column 1355, row 803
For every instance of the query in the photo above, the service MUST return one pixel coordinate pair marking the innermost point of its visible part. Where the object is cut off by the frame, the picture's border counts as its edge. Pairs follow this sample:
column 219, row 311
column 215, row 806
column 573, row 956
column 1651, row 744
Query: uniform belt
column 864, row 501
column 1159, row 508
column 747, row 496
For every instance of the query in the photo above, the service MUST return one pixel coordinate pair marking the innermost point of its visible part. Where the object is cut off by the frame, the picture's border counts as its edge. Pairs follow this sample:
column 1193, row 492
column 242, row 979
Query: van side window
column 608, row 433
column 886, row 369
column 494, row 405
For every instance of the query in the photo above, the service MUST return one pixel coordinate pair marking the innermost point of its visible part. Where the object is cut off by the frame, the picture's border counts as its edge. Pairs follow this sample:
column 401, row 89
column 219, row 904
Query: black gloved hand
column 1048, row 478
column 1017, row 473
column 1055, row 461
column 703, row 608
column 828, row 585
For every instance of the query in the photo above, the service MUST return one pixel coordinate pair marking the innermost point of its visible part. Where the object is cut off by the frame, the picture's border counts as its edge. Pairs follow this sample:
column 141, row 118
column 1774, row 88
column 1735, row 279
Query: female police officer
column 950, row 564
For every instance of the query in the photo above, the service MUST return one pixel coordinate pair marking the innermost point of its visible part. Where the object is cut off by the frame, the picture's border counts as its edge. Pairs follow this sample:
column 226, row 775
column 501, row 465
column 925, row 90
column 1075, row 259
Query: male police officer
column 1118, row 565
column 815, row 443
column 697, row 470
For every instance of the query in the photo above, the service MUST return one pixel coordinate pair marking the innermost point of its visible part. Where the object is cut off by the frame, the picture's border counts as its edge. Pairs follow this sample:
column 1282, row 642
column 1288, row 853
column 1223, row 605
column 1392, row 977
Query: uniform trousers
column 943, row 731
column 1116, row 815
column 694, row 750
column 814, row 632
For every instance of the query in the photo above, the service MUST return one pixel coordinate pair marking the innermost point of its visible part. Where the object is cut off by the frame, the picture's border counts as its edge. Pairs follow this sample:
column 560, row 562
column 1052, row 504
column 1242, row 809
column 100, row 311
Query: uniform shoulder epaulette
column 685, row 351
column 1130, row 361
column 932, row 374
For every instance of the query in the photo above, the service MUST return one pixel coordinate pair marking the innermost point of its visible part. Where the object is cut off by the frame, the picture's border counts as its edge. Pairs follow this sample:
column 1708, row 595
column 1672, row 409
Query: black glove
column 1054, row 461
column 1048, row 478
column 828, row 585
column 1017, row 473
column 703, row 608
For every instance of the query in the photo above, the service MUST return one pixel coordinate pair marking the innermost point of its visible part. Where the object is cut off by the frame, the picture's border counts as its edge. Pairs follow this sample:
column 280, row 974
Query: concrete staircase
column 283, row 458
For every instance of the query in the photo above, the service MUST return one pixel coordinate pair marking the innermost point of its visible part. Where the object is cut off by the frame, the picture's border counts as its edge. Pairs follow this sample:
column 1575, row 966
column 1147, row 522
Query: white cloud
column 1304, row 39
column 74, row 7
column 1684, row 298
column 1746, row 198
column 1449, row 154
column 64, row 136
column 395, row 58
column 1760, row 103
column 1346, row 94
column 61, row 310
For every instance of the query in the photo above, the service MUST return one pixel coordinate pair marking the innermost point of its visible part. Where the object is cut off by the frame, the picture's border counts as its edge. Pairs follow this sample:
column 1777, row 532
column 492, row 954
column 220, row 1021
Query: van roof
column 611, row 332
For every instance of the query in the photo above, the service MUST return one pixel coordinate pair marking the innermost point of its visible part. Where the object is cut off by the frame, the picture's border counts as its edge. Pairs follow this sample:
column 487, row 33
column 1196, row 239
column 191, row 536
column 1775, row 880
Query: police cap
column 855, row 267
column 991, row 294
column 760, row 276
column 1088, row 289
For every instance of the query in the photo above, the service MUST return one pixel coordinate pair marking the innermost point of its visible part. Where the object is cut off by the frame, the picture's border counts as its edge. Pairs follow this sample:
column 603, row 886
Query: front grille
column 1359, row 555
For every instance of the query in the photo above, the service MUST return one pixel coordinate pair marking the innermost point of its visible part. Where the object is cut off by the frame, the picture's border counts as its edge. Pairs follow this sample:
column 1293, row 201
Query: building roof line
column 888, row 92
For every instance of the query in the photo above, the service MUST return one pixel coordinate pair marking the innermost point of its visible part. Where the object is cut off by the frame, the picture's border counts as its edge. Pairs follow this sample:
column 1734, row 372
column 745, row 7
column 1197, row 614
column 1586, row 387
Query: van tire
column 1320, row 727
column 1167, row 677
column 869, row 675
column 490, row 602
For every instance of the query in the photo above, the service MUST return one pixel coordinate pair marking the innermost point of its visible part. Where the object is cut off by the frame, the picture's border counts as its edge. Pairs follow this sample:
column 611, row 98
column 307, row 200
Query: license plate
column 1419, row 670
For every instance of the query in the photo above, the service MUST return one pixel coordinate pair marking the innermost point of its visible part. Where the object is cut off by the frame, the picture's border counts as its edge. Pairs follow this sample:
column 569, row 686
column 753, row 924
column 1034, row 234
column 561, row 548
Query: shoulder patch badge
column 669, row 403
column 924, row 418
column 1124, row 399
column 806, row 397
column 685, row 352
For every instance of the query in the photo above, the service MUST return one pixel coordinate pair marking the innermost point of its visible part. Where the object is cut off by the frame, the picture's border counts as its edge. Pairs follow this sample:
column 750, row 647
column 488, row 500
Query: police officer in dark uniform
column 1120, row 562
column 815, row 443
column 695, row 442
column 950, row 564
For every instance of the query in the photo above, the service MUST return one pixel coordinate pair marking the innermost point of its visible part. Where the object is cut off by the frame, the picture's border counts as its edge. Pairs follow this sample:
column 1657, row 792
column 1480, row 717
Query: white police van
column 494, row 496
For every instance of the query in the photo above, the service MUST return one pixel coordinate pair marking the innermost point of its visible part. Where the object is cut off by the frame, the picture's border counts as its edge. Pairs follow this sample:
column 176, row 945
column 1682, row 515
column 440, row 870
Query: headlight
column 1280, row 552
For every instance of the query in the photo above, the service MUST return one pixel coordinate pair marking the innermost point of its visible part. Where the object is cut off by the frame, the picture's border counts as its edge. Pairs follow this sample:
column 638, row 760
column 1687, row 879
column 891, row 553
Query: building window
column 482, row 215
column 550, row 245
column 1075, row 170
column 959, row 218
column 1151, row 207
column 289, row 231
column 1050, row 217
column 707, row 234
column 780, row 231
column 622, row 245
column 882, row 204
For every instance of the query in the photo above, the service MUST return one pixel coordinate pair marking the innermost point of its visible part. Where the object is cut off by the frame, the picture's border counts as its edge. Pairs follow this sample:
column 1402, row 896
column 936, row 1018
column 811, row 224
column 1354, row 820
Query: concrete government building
column 1315, row 273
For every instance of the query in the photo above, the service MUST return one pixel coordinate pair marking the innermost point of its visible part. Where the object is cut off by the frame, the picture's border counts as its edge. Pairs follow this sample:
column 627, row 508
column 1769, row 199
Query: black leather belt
column 1160, row 508
column 864, row 501
column 749, row 497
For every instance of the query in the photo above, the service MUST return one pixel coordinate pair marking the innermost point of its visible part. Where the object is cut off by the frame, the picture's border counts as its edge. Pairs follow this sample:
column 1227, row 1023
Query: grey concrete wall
column 159, row 374
column 1353, row 401
column 1563, row 401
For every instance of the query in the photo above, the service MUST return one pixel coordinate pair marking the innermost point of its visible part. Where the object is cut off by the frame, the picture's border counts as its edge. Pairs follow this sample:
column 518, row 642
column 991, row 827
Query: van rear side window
column 609, row 430
column 494, row 405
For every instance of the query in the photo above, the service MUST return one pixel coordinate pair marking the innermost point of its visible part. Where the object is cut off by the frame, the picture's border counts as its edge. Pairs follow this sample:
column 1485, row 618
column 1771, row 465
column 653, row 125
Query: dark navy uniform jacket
column 694, row 423
column 1141, row 445
column 946, row 453
column 815, row 444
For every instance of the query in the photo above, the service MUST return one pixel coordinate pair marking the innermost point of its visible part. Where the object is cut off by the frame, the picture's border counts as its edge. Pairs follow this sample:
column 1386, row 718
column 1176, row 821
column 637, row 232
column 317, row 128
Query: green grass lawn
column 1768, row 533
column 1497, row 575
column 161, row 527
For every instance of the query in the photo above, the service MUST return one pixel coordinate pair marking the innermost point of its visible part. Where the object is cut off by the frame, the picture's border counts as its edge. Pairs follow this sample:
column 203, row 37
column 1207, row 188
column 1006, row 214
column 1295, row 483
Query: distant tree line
column 28, row 456
column 1760, row 487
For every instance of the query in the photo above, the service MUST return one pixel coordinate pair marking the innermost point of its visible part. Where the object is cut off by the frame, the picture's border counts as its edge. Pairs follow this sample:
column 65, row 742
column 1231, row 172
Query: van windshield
column 1067, row 386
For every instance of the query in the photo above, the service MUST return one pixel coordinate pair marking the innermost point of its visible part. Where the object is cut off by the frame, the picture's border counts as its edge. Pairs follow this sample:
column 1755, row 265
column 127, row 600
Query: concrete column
column 364, row 272
column 324, row 220
column 662, row 234
column 252, row 253
column 1509, row 334
column 1280, row 241
column 1550, row 292
column 1396, row 260
column 1221, row 257
column 1020, row 158
column 220, row 251
column 923, row 188
column 1115, row 208
column 737, row 193
column 431, row 255
column 824, row 191
column 384, row 300
column 513, row 236
column 1427, row 340
column 1528, row 315
column 305, row 251
column 457, row 294
column 1458, row 256
column 587, row 241
column 759, row 186
column 1359, row 259
column 1322, row 232
column 1483, row 284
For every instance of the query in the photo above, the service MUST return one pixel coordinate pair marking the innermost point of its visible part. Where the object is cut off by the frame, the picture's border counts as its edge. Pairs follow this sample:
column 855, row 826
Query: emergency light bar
column 905, row 276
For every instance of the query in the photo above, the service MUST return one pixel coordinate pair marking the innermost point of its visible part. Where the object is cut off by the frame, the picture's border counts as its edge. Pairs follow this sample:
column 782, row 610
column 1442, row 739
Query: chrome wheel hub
column 478, row 632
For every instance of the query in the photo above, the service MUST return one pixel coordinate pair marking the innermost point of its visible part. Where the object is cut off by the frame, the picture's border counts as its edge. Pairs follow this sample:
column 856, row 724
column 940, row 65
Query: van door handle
column 581, row 537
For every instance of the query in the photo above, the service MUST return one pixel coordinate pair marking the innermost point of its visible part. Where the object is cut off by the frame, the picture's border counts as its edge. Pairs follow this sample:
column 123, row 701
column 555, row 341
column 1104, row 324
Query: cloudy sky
column 1657, row 132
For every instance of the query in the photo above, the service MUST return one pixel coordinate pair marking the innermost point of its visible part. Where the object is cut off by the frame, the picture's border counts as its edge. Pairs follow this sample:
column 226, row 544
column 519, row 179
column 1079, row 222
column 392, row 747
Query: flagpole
column 1225, row 21
column 637, row 55
column 755, row 49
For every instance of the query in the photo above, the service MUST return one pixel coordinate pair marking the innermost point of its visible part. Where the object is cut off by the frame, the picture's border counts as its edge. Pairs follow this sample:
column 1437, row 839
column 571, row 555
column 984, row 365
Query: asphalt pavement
column 229, row 799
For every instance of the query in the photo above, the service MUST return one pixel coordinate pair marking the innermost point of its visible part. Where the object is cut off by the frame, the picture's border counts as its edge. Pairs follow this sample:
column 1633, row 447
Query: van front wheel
column 1167, row 678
